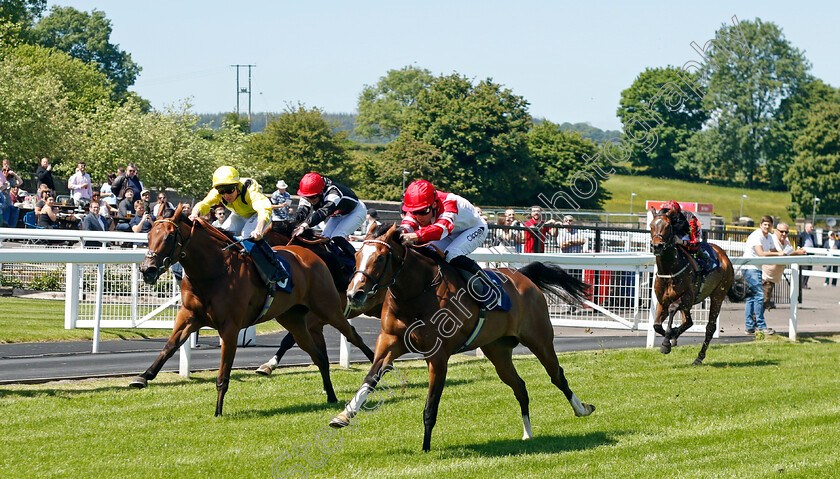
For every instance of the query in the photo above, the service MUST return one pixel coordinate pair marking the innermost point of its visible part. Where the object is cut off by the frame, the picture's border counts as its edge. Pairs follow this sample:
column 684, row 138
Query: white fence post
column 794, row 298
column 97, row 310
column 184, row 362
column 135, row 294
column 71, row 295
column 651, row 334
column 344, row 350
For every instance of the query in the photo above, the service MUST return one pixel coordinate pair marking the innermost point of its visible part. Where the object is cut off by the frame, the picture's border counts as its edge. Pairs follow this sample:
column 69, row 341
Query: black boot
column 346, row 252
column 489, row 294
column 269, row 266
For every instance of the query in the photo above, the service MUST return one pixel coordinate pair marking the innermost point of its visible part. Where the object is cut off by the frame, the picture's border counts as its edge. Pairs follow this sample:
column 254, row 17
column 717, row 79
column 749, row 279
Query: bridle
column 179, row 242
column 664, row 244
column 376, row 282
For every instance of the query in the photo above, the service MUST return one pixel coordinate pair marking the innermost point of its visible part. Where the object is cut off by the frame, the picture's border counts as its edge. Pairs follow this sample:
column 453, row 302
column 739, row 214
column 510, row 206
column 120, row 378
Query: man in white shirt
column 759, row 244
column 79, row 183
column 771, row 274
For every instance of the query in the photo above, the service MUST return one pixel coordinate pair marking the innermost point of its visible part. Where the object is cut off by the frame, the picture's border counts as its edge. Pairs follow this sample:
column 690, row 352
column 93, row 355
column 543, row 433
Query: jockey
column 251, row 211
column 323, row 199
column 688, row 232
column 451, row 223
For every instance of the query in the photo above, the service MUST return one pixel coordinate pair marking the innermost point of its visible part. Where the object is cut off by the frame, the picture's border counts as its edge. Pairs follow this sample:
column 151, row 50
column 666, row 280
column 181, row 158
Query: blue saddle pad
column 289, row 284
column 712, row 253
column 505, row 303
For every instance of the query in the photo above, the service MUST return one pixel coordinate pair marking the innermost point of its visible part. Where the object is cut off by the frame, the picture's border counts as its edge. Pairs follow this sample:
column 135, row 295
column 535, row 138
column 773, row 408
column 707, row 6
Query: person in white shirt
column 771, row 274
column 759, row 244
column 79, row 183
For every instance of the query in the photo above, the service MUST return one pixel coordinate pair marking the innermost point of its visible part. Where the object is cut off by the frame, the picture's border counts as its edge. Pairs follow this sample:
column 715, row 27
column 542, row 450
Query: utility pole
column 240, row 91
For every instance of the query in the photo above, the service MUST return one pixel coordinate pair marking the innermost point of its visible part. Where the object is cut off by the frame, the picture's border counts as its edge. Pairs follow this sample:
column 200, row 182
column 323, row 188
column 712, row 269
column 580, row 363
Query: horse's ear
column 371, row 229
column 391, row 231
column 178, row 210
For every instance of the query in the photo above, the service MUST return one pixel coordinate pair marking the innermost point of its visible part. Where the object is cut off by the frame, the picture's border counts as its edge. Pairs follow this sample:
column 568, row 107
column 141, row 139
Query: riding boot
column 706, row 262
column 346, row 252
column 489, row 293
column 269, row 266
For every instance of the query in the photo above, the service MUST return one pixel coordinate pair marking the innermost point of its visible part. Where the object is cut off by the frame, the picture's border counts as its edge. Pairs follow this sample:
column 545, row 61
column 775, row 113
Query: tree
column 381, row 176
column 296, row 142
column 86, row 36
column 558, row 156
column 16, row 19
column 750, row 69
column 382, row 106
column 659, row 105
column 35, row 119
column 481, row 133
column 816, row 166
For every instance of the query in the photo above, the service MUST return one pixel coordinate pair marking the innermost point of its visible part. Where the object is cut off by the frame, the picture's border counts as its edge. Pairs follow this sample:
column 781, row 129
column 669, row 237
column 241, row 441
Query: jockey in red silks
column 451, row 223
column 688, row 232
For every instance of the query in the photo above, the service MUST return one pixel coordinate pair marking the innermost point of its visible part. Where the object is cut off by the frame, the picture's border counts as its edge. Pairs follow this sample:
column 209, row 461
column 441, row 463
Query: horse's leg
column 686, row 324
column 669, row 333
column 714, row 311
column 437, row 379
column 540, row 340
column 286, row 344
column 228, row 337
column 184, row 326
column 500, row 355
column 297, row 325
column 337, row 320
column 388, row 348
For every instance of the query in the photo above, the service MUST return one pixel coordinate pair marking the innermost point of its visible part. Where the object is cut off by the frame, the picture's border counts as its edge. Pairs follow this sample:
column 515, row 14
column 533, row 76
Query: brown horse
column 679, row 286
column 279, row 233
column 223, row 290
column 428, row 310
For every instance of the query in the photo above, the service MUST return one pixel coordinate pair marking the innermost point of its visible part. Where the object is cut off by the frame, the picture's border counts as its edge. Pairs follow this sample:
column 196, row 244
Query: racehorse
column 679, row 285
column 427, row 310
column 279, row 233
column 223, row 290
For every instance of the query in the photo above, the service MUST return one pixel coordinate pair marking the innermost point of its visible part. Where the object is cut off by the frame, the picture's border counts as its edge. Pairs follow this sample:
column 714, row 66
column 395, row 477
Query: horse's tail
column 556, row 280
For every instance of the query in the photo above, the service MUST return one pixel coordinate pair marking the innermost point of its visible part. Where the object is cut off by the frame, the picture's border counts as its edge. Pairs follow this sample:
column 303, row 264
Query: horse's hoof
column 588, row 409
column 339, row 421
column 264, row 370
column 697, row 362
column 665, row 348
column 673, row 342
column 139, row 382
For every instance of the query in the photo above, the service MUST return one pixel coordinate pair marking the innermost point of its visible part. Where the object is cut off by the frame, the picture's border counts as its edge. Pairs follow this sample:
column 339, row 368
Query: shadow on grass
column 743, row 364
column 50, row 391
column 537, row 445
column 314, row 406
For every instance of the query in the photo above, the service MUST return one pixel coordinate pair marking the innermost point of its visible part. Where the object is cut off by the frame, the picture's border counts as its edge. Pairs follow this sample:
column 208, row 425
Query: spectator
column 759, row 244
column 132, row 180
column 535, row 240
column 831, row 243
column 118, row 186
column 95, row 222
column 161, row 205
column 11, row 176
column 509, row 236
column 569, row 239
column 5, row 200
column 79, row 183
column 44, row 174
column 807, row 239
column 48, row 216
column 43, row 193
column 281, row 201
column 219, row 215
column 142, row 221
column 126, row 207
column 13, row 212
column 771, row 274
column 103, row 206
column 107, row 194
column 186, row 208
column 146, row 198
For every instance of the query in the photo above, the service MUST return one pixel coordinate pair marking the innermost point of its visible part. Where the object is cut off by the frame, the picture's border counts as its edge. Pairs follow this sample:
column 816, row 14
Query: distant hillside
column 347, row 122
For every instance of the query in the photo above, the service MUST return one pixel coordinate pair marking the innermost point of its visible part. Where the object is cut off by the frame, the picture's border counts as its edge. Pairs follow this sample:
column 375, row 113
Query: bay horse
column 428, row 310
column 279, row 233
column 679, row 286
column 223, row 290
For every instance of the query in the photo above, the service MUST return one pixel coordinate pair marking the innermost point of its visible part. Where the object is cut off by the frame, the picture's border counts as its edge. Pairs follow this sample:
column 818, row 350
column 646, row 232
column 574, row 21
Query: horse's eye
column 379, row 260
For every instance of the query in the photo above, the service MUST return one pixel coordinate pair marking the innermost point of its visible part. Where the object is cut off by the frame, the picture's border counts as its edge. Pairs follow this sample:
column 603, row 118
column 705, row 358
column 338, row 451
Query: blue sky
column 568, row 59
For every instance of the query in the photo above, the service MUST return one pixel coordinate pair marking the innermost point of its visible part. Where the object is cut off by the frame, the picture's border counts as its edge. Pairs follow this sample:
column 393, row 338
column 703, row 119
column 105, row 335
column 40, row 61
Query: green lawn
column 34, row 320
column 762, row 409
column 725, row 199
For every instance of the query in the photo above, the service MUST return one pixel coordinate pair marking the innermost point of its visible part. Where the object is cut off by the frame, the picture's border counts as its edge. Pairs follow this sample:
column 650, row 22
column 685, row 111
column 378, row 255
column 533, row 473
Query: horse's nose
column 357, row 299
column 150, row 273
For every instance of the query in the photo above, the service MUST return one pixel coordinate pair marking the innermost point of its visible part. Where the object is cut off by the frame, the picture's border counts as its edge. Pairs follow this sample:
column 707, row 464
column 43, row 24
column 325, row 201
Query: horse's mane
column 382, row 228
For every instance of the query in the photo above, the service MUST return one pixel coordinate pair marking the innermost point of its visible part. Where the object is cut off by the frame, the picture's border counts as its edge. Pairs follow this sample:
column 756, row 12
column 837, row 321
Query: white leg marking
column 272, row 363
column 526, row 422
column 580, row 409
column 356, row 403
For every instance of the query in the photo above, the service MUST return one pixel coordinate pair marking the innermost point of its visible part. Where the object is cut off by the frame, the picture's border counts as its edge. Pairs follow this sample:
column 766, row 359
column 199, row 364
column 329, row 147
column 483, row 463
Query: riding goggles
column 226, row 189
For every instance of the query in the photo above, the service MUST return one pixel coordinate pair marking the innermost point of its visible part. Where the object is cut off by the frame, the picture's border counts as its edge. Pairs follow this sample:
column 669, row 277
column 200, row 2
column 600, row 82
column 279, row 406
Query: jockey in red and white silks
column 445, row 220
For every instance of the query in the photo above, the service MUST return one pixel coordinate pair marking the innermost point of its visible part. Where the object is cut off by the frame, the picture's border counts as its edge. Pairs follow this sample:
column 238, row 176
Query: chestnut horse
column 279, row 233
column 679, row 286
column 428, row 311
column 222, row 289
